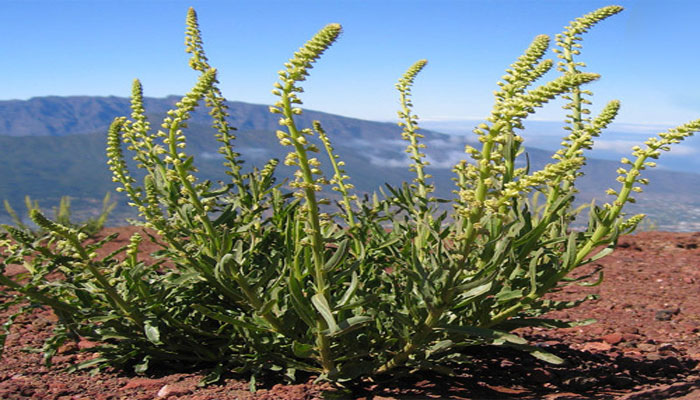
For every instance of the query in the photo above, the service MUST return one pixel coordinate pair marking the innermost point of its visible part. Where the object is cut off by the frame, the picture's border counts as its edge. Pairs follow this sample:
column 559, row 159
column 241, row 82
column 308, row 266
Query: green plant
column 258, row 279
column 62, row 215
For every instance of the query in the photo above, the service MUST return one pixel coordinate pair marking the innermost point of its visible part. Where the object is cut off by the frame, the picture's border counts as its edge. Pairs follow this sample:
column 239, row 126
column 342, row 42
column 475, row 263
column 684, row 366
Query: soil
column 645, row 345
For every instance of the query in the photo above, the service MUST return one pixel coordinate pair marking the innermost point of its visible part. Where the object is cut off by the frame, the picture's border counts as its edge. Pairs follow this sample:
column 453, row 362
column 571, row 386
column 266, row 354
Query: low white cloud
column 250, row 152
column 389, row 162
column 645, row 129
column 618, row 146
column 625, row 147
column 207, row 155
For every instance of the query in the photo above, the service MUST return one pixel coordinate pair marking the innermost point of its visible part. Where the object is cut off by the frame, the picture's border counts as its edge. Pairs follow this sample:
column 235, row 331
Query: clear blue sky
column 648, row 55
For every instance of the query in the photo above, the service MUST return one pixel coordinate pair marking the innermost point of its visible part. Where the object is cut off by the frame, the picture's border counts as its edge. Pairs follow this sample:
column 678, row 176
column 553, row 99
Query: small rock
column 143, row 383
column 613, row 338
column 667, row 347
column 173, row 390
column 506, row 363
column 67, row 347
column 630, row 337
column 665, row 315
column 646, row 347
column 84, row 344
column 634, row 355
column 596, row 330
column 596, row 347
column 688, row 279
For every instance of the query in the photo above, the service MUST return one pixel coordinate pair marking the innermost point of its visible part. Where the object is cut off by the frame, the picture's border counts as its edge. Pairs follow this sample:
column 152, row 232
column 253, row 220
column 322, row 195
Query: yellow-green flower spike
column 193, row 42
column 410, row 127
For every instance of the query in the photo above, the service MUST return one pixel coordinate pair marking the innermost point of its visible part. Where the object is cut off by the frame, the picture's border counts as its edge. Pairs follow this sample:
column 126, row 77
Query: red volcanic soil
column 645, row 345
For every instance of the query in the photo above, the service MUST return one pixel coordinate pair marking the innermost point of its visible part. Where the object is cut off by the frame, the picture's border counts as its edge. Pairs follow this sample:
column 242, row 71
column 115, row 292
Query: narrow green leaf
column 515, row 323
column 303, row 350
column 350, row 290
column 319, row 301
column 546, row 356
column 485, row 333
column 506, row 295
column 350, row 325
column 300, row 303
column 606, row 251
column 389, row 242
column 227, row 318
column 338, row 256
column 267, row 307
column 592, row 284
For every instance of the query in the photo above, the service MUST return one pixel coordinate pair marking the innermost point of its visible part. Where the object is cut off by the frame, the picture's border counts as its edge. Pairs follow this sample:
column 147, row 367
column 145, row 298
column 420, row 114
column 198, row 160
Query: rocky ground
column 645, row 345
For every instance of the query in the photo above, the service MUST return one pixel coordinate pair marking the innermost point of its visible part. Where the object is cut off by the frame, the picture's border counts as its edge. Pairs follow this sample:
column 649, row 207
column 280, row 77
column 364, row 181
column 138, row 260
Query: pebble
column 646, row 347
column 613, row 338
column 630, row 337
column 596, row 347
column 144, row 383
column 173, row 390
column 665, row 315
column 84, row 344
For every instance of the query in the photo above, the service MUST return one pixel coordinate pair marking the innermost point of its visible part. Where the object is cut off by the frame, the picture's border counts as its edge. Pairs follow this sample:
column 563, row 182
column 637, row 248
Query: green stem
column 313, row 218
column 413, row 344
column 211, row 237
column 257, row 304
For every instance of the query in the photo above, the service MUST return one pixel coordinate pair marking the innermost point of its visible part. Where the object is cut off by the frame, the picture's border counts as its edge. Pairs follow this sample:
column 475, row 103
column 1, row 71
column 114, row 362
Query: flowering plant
column 251, row 278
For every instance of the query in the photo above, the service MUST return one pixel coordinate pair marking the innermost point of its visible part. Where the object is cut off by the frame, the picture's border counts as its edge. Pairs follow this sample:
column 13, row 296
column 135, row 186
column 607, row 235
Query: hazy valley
column 54, row 146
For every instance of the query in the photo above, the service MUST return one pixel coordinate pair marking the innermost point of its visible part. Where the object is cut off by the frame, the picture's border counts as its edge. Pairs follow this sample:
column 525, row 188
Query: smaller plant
column 62, row 215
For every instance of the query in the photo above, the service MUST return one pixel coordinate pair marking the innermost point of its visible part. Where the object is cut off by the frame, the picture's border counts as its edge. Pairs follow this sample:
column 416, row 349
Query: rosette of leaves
column 251, row 278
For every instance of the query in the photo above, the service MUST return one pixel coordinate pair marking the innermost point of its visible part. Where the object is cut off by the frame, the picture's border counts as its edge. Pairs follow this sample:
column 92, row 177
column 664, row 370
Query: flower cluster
column 308, row 175
column 213, row 98
column 409, row 123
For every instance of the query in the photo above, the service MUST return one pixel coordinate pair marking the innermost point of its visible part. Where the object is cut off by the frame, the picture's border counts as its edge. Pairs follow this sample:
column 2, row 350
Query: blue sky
column 648, row 55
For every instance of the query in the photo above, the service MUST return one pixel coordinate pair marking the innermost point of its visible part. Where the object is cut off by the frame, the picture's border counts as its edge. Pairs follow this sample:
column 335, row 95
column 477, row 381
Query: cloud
column 617, row 146
column 207, row 155
column 625, row 147
column 248, row 152
column 646, row 129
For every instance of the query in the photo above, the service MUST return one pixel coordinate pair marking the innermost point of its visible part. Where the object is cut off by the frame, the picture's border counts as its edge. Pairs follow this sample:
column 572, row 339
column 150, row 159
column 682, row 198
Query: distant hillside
column 54, row 146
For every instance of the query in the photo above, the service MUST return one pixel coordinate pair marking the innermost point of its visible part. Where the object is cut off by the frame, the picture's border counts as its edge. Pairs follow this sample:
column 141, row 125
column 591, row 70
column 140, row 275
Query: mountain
column 54, row 146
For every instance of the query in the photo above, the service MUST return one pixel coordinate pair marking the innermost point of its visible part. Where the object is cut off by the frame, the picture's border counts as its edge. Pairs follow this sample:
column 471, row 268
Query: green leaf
column 267, row 307
column 213, row 377
column 143, row 365
column 338, row 256
column 441, row 346
column 300, row 302
column 506, row 295
column 319, row 301
column 350, row 290
column 515, row 323
column 594, row 283
column 228, row 319
column 152, row 332
column 540, row 354
column 351, row 324
column 471, row 294
column 484, row 333
column 303, row 350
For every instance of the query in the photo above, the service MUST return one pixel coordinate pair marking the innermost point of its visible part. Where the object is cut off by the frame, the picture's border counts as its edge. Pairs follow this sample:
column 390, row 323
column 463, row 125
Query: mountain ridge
column 41, row 159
